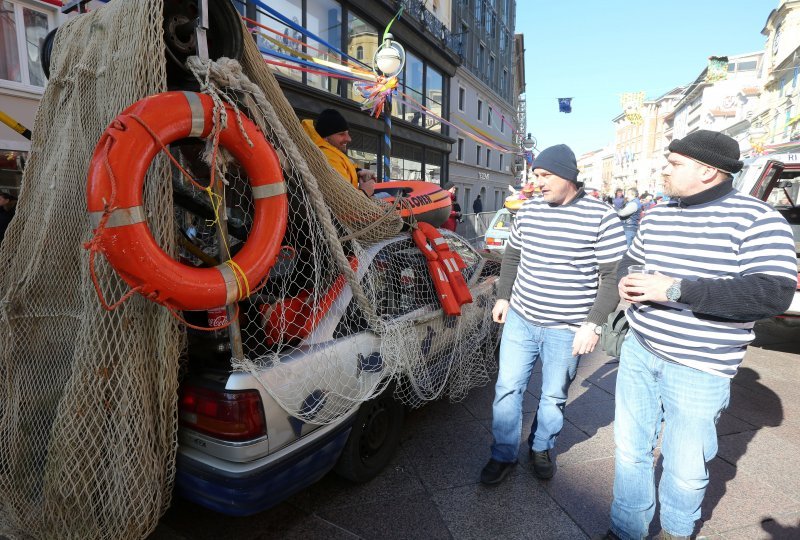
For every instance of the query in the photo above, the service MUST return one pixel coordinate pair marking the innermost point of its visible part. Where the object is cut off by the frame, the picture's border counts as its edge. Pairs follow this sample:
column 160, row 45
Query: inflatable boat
column 426, row 201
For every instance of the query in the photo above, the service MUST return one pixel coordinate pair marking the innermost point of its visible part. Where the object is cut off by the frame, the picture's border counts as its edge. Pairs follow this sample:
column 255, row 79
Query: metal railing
column 473, row 227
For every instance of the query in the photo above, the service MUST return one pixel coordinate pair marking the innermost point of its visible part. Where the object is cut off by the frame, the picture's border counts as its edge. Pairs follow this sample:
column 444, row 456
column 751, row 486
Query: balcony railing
column 415, row 9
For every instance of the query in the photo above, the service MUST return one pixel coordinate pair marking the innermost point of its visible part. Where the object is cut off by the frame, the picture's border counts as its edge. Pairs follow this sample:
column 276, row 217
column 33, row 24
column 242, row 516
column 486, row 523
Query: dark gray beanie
column 711, row 148
column 559, row 160
column 330, row 121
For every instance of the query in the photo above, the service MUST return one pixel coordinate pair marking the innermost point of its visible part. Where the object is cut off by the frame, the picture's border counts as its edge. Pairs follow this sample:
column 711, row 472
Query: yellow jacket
column 340, row 162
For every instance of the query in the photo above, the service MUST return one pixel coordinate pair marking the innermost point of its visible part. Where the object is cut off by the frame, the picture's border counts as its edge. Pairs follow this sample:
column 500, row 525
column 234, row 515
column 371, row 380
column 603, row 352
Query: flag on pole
column 565, row 104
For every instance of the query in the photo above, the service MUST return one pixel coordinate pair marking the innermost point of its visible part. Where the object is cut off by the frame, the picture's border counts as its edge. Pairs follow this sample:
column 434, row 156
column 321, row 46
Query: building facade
column 640, row 147
column 483, row 100
column 23, row 27
column 420, row 143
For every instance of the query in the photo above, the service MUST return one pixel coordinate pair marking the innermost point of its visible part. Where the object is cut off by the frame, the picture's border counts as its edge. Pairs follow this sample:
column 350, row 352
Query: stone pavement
column 431, row 488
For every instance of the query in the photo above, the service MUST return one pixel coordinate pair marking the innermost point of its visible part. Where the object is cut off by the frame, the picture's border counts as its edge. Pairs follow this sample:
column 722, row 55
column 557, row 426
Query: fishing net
column 88, row 407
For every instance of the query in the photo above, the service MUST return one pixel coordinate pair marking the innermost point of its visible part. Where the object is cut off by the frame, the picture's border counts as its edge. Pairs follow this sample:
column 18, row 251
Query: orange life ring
column 424, row 237
column 115, row 187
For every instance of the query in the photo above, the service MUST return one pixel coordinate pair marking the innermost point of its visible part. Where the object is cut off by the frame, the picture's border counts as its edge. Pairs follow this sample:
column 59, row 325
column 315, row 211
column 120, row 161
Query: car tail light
column 233, row 416
column 493, row 241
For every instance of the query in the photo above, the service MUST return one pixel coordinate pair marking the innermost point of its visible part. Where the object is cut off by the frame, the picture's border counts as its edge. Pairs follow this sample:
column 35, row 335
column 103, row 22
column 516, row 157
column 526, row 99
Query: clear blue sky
column 594, row 50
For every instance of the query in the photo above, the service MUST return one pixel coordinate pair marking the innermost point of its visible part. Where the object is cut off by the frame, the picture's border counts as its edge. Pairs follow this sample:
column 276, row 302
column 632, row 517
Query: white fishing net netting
column 88, row 397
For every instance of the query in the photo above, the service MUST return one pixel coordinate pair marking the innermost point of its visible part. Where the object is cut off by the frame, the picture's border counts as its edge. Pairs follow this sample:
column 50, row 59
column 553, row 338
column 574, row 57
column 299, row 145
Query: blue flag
column 565, row 104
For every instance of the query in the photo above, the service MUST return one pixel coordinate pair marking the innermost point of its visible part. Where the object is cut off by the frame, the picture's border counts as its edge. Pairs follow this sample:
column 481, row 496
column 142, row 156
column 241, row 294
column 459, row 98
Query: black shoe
column 496, row 471
column 608, row 536
column 543, row 468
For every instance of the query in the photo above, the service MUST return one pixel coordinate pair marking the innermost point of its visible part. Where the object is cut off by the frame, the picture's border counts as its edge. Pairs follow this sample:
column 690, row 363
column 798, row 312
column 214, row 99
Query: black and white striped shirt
column 561, row 248
column 732, row 236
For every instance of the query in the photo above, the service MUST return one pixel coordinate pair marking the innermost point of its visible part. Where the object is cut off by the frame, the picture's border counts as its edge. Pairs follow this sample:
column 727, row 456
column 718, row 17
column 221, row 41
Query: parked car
column 499, row 230
column 240, row 452
column 775, row 178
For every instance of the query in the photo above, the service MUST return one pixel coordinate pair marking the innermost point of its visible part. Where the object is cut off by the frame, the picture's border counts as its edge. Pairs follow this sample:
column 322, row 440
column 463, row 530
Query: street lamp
column 389, row 60
column 527, row 146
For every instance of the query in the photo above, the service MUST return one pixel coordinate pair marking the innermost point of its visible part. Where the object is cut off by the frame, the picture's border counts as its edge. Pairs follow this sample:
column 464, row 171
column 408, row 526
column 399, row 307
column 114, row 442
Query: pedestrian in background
column 455, row 209
column 631, row 214
column 8, row 204
column 477, row 205
column 690, row 324
column 619, row 199
column 557, row 285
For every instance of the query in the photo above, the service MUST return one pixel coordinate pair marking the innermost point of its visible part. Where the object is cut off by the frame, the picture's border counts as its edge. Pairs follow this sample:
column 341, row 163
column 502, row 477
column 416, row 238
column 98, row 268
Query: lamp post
column 527, row 146
column 389, row 60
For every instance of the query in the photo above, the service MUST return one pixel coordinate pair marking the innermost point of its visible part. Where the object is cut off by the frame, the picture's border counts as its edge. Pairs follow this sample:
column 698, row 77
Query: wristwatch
column 597, row 329
column 674, row 291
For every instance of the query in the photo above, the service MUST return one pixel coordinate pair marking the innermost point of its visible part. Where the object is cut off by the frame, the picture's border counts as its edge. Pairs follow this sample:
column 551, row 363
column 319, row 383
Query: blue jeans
column 691, row 402
column 630, row 234
column 522, row 344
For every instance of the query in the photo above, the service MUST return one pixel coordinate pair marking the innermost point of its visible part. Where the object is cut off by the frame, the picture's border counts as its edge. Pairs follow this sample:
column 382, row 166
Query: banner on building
column 717, row 68
column 632, row 103
column 565, row 104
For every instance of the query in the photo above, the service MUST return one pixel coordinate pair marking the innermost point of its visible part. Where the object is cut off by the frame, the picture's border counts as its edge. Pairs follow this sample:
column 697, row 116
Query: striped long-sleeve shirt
column 561, row 248
column 726, row 238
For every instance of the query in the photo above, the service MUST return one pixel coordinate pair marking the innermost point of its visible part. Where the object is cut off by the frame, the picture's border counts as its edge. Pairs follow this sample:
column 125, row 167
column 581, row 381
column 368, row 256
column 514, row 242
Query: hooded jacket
column 340, row 162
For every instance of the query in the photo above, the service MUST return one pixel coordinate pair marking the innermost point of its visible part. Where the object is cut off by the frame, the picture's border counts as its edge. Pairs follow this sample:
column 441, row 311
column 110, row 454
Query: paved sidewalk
column 431, row 489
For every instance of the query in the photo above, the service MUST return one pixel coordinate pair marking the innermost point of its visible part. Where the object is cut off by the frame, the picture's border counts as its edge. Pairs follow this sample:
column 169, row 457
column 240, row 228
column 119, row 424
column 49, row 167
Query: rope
column 230, row 71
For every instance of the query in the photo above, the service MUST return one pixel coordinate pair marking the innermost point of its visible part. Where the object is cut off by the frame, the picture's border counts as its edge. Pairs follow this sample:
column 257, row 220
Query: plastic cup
column 640, row 269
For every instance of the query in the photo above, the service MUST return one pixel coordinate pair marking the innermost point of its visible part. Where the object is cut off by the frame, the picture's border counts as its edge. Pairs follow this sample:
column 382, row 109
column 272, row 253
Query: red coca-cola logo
column 217, row 317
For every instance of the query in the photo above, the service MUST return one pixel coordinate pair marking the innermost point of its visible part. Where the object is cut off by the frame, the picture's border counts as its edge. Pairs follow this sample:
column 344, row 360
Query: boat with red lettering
column 426, row 201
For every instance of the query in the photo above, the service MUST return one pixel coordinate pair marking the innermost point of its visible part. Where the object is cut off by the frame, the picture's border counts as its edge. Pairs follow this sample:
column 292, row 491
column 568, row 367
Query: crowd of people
column 695, row 271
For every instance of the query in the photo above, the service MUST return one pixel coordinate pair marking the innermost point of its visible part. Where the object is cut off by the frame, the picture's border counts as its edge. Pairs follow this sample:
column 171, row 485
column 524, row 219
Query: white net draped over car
column 88, row 397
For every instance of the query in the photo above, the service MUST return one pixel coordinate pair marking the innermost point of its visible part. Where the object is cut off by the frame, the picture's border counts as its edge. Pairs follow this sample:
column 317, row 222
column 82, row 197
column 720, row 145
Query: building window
column 502, row 123
column 480, row 109
column 413, row 83
column 434, row 97
column 460, row 152
column 292, row 10
column 324, row 18
column 462, row 98
column 481, row 52
column 488, row 157
column 501, row 163
column 478, row 155
column 782, row 87
column 362, row 42
column 22, row 30
column 794, row 76
column 504, row 83
column 489, row 117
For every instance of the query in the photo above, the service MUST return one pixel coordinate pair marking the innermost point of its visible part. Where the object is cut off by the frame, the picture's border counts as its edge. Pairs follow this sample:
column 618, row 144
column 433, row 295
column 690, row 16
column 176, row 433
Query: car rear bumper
column 238, row 490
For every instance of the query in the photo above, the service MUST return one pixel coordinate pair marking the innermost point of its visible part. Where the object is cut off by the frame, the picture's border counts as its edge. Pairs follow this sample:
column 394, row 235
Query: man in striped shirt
column 557, row 285
column 722, row 260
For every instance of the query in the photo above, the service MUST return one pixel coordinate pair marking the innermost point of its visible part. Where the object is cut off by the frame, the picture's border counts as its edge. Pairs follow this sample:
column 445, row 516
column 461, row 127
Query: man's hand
column 585, row 340
column 366, row 174
column 500, row 310
column 644, row 287
column 367, row 186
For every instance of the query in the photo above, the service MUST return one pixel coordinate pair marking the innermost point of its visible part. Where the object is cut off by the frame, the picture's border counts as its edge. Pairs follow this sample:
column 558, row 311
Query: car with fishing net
column 249, row 438
column 775, row 178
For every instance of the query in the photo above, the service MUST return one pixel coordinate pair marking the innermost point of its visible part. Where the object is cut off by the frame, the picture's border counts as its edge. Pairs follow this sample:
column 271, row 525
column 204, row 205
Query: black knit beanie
column 330, row 121
column 559, row 160
column 711, row 148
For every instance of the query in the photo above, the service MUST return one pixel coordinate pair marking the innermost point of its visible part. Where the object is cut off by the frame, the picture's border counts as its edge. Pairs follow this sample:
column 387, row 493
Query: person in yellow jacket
column 331, row 134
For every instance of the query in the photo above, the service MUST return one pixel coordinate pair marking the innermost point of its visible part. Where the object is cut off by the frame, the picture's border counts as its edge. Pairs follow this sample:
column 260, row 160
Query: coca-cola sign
column 217, row 317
